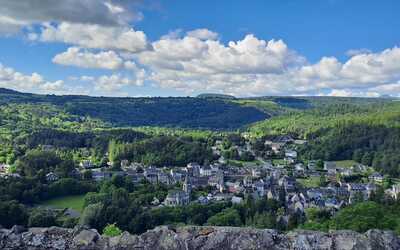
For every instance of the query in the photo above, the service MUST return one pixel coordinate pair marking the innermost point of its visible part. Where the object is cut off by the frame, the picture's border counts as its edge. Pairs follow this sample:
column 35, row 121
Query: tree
column 12, row 213
column 228, row 217
column 91, row 215
column 362, row 217
column 42, row 218
column 111, row 230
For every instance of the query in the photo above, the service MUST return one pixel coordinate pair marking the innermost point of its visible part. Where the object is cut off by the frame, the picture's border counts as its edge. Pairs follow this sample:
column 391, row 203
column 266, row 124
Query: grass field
column 346, row 163
column 74, row 202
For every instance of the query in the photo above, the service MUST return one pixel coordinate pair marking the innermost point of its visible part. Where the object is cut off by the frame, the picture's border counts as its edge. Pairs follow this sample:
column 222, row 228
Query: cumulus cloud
column 101, row 12
column 354, row 52
column 203, row 34
column 114, row 83
column 82, row 58
column 9, row 78
column 253, row 66
column 94, row 36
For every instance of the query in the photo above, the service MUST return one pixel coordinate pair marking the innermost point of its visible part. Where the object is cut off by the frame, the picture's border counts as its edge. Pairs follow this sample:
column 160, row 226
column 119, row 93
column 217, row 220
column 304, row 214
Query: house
column 288, row 183
column 333, row 203
column 395, row 191
column 276, row 147
column 259, row 187
column 299, row 142
column 345, row 171
column 289, row 160
column 4, row 168
column 256, row 172
column 330, row 165
column 205, row 171
column 50, row 177
column 376, row 177
column 177, row 175
column 177, row 198
column 355, row 187
column 99, row 175
column 216, row 180
column 155, row 201
column 193, row 169
column 136, row 177
column 312, row 165
column 284, row 139
column 234, row 187
column 223, row 197
column 314, row 193
column 299, row 170
column 236, row 200
column 86, row 164
column 202, row 200
column 359, row 168
column 291, row 154
column 164, row 178
column 151, row 174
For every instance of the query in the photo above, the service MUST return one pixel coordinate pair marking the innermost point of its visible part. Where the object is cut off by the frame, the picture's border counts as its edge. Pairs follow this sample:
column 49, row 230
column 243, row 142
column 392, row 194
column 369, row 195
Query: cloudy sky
column 185, row 47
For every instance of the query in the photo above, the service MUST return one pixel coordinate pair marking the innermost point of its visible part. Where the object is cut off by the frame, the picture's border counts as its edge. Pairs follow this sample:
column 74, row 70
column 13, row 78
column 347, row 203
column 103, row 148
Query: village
column 298, row 185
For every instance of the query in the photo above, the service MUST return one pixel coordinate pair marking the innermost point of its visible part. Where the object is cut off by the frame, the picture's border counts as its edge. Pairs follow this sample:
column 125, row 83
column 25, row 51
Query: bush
column 111, row 230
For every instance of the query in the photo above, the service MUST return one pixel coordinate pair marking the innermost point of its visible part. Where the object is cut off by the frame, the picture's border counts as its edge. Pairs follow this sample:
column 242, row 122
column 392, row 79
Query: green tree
column 111, row 230
column 228, row 217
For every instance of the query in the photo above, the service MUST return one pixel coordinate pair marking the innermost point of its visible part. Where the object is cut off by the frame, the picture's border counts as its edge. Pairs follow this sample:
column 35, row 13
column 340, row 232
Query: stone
column 86, row 238
column 193, row 237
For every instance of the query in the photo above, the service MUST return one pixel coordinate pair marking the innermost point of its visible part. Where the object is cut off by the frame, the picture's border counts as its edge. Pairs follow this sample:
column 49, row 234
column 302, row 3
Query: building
column 329, row 165
column 193, row 169
column 376, row 177
column 187, row 185
column 86, row 164
column 177, row 198
column 395, row 191
column 205, row 171
column 4, row 168
column 99, row 175
column 291, row 154
column 236, row 200
column 50, row 177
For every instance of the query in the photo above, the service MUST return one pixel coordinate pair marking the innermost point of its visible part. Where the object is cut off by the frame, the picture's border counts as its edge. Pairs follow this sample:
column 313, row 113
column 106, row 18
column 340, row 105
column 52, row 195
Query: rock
column 86, row 238
column 191, row 237
column 18, row 229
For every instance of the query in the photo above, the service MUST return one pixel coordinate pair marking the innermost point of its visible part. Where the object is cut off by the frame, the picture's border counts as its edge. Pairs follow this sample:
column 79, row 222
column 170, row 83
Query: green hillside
column 185, row 112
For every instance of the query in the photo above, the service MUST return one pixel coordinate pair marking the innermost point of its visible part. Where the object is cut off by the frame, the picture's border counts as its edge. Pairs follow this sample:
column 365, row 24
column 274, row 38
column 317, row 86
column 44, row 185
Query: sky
column 186, row 47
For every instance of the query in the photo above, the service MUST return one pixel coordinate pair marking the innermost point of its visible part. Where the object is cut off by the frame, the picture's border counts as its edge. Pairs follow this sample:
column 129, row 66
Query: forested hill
column 186, row 112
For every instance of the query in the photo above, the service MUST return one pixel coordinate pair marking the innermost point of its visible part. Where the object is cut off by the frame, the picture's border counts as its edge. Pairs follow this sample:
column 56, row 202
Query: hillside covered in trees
column 186, row 112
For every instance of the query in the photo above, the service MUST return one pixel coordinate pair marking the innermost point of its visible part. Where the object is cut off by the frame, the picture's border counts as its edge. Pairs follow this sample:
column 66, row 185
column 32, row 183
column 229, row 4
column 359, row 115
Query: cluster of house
column 266, row 180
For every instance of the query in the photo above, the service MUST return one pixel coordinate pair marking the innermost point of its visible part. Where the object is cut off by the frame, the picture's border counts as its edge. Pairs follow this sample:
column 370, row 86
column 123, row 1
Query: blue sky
column 179, row 48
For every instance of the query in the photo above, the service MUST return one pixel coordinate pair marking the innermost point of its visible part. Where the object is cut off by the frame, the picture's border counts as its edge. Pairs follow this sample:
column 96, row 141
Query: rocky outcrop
column 195, row 238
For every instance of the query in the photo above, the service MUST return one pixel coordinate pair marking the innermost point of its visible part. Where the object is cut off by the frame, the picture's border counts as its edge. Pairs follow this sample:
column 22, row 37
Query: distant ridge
column 185, row 112
column 217, row 96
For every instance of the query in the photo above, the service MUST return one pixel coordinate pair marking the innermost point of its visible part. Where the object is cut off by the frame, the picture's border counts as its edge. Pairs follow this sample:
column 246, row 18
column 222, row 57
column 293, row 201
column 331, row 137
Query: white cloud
column 354, row 52
column 82, row 58
column 173, row 34
column 9, row 78
column 257, row 67
column 95, row 36
column 16, row 14
column 114, row 83
column 203, row 34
